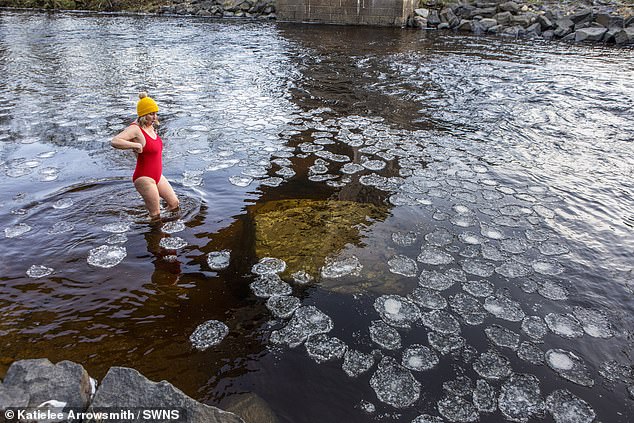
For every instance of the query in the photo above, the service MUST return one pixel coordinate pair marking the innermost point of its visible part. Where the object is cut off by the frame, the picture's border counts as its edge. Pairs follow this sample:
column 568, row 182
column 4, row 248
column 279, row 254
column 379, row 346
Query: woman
column 142, row 138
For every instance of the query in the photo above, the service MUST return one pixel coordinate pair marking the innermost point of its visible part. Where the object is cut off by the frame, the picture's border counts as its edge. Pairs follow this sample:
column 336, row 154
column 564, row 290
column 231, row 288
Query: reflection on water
column 460, row 207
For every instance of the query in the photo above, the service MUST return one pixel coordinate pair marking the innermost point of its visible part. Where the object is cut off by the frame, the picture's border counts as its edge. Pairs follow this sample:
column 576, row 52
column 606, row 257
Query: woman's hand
column 138, row 148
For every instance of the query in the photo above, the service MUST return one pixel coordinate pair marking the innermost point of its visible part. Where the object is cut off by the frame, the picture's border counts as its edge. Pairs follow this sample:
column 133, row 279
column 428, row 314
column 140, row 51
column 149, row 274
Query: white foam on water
column 428, row 298
column 306, row 321
column 502, row 337
column 16, row 230
column 282, row 306
column 339, row 267
column 322, row 348
column 38, row 271
column 441, row 321
column 534, row 327
column 63, row 203
column 218, row 260
column 356, row 363
column 116, row 227
column 172, row 243
column 568, row 408
column 520, row 398
column 106, row 256
column 173, row 227
column 434, row 256
column 457, row 409
column 384, row 335
column 484, row 397
column 434, row 280
column 479, row 288
column 404, row 239
column 394, row 385
column 491, row 365
column 594, row 322
column 208, row 334
column 564, row 325
column 419, row 358
column 403, row 265
column 268, row 285
column 569, row 366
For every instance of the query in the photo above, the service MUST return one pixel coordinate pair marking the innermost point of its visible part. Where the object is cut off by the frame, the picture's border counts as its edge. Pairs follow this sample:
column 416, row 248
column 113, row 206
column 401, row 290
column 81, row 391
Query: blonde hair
column 143, row 120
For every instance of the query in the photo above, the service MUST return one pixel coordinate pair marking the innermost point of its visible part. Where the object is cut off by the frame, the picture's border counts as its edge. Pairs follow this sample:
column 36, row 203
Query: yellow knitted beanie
column 145, row 105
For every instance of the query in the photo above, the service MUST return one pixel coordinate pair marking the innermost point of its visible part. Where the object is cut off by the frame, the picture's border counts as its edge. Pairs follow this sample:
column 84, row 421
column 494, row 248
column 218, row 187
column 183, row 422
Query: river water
column 488, row 180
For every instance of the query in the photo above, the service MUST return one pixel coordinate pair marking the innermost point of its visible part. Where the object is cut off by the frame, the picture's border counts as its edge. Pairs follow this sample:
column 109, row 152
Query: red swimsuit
column 149, row 163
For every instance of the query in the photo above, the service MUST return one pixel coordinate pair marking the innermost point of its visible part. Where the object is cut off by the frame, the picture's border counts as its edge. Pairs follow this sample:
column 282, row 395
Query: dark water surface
column 521, row 152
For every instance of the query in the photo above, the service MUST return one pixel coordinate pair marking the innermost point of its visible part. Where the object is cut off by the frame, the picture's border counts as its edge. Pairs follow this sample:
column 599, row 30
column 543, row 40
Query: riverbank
column 599, row 21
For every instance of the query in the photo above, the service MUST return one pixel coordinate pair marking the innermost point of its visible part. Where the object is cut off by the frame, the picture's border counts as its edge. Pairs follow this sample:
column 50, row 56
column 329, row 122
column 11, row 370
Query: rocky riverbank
column 40, row 389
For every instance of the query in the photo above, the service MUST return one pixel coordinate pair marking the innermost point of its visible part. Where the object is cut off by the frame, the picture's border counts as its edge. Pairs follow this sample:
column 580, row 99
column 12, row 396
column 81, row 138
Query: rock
column 487, row 23
column 509, row 6
column 582, row 16
column 523, row 20
column 564, row 27
column 629, row 21
column 524, row 8
column 610, row 21
column 545, row 22
column 447, row 15
column 42, row 381
column 496, row 29
column 464, row 10
column 443, row 25
column 569, row 38
column 465, row 25
column 13, row 396
column 433, row 19
column 582, row 26
column 503, row 18
column 624, row 36
column 488, row 12
column 534, row 30
column 609, row 35
column 514, row 31
column 419, row 22
column 424, row 13
column 590, row 34
column 486, row 4
column 127, row 388
column 565, row 23
column 548, row 35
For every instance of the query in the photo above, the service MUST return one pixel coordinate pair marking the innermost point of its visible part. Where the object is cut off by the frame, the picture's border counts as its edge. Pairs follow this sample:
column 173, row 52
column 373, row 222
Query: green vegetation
column 101, row 5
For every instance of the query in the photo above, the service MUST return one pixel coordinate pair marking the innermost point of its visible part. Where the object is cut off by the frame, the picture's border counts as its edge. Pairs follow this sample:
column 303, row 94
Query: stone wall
column 348, row 12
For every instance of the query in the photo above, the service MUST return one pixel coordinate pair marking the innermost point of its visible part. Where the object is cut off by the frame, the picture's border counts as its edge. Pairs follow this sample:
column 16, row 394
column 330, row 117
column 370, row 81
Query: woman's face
column 151, row 118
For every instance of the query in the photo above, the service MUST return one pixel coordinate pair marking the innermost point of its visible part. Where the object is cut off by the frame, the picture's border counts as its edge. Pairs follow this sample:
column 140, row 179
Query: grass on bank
column 101, row 5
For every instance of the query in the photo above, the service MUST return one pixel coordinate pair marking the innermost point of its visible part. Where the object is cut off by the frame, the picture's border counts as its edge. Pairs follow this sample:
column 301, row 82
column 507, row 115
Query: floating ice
column 544, row 212
column 478, row 268
column 218, row 260
column 17, row 230
column 208, row 334
column 307, row 321
column 339, row 267
column 469, row 238
column 513, row 269
column 192, row 178
column 384, row 335
column 403, row 265
column 491, row 365
column 63, row 203
column 515, row 245
column 419, row 358
column 116, row 227
column 61, row 227
column 394, row 385
column 504, row 308
column 531, row 353
column 322, row 348
column 439, row 237
column 373, row 164
column 49, row 174
column 397, row 311
column 553, row 248
column 356, row 362
column 491, row 232
column 462, row 221
column 172, row 243
column 173, row 227
column 567, row 408
column 285, row 172
column 441, row 321
column 268, row 285
column 268, row 265
column 537, row 235
column 515, row 211
column 302, row 277
column 434, row 280
column 404, row 239
column 402, row 200
column 564, row 325
column 38, row 271
column 434, row 256
column 502, row 337
column 568, row 366
column 255, row 172
column 240, row 181
column 520, row 398
column 614, row 371
column 534, row 327
column 282, row 306
column 273, row 181
column 553, row 291
column 490, row 252
column 367, row 407
column 484, row 397
column 428, row 298
column 117, row 239
column 594, row 323
column 106, row 256
column 461, row 386
column 547, row 267
column 468, row 307
column 426, row 418
column 456, row 409
column 480, row 288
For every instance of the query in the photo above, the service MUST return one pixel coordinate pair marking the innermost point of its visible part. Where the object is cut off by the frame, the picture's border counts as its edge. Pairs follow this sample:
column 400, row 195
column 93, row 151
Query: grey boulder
column 625, row 36
column 590, row 34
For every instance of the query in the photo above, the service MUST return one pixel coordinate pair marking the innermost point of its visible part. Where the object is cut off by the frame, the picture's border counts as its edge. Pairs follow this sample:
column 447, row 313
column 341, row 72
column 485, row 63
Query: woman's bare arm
column 130, row 138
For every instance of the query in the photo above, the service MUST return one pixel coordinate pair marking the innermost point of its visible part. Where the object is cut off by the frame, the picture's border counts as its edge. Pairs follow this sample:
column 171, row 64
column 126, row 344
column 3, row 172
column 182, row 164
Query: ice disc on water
column 513, row 269
column 397, row 311
column 240, row 181
column 356, row 363
column 117, row 239
column 322, row 348
column 208, row 334
column 269, row 285
column 351, row 168
column 403, row 265
column 336, row 268
column 445, row 344
column 173, row 227
column 307, row 321
column 553, row 248
column 384, row 335
column 502, row 337
column 302, row 277
column 594, row 323
column 439, row 237
column 17, row 230
column 569, row 366
column 504, row 308
column 520, row 398
column 404, row 238
column 106, row 256
column 218, row 260
column 428, row 298
column 394, row 385
column 116, row 227
column 461, row 386
column 534, row 327
column 478, row 268
column 531, row 353
column 484, row 397
column 491, row 365
column 61, row 227
column 172, row 243
column 434, row 256
column 547, row 267
column 567, row 408
column 269, row 266
column 479, row 288
column 441, row 321
column 63, row 203
column 553, row 291
column 456, row 409
column 564, row 325
column 426, row 418
column 434, row 280
column 490, row 252
column 282, row 306
column 38, row 271
column 419, row 358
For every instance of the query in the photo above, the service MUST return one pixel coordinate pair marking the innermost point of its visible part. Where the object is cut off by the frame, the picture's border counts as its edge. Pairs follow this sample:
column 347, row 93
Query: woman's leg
column 167, row 193
column 150, row 193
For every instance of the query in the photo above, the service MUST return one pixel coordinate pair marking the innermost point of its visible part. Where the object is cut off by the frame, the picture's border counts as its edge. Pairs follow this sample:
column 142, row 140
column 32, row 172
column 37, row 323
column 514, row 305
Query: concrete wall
column 348, row 12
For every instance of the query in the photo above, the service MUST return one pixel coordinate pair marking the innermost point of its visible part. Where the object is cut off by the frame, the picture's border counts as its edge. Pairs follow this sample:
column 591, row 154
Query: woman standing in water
column 142, row 138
